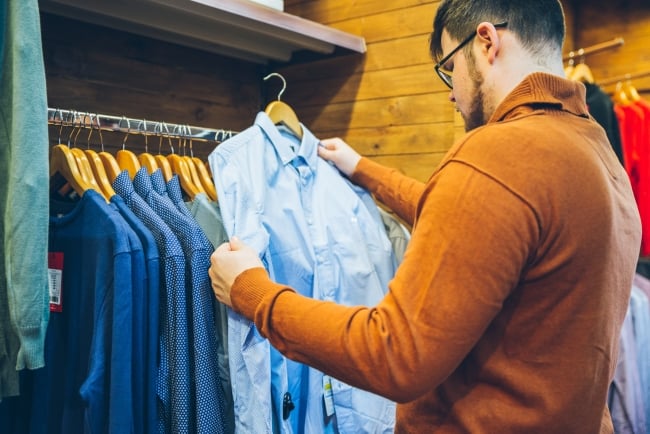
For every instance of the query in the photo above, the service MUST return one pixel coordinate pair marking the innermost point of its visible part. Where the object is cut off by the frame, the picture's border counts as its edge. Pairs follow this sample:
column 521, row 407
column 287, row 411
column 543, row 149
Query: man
column 504, row 316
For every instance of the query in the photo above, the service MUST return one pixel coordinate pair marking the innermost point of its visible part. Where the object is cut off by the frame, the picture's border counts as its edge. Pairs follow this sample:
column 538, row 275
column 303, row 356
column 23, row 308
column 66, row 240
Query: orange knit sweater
column 505, row 313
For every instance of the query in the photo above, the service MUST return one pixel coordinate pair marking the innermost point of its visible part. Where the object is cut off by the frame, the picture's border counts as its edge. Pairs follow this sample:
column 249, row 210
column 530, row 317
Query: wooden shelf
column 237, row 28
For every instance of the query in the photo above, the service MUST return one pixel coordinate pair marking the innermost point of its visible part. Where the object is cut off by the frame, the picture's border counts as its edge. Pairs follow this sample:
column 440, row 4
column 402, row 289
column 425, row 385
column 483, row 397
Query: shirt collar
column 306, row 148
column 540, row 90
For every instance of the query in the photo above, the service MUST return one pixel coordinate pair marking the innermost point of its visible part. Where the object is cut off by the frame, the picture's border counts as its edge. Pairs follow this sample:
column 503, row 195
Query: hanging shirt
column 208, row 400
column 173, row 376
column 24, row 175
column 625, row 399
column 635, row 138
column 145, row 325
column 314, row 233
column 208, row 216
column 85, row 385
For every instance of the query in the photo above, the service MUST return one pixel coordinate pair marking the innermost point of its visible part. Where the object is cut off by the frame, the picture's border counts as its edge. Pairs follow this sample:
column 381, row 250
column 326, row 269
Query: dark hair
column 538, row 24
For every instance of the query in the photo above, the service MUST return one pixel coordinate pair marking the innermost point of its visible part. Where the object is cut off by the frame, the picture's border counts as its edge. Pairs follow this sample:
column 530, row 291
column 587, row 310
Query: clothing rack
column 122, row 124
column 616, row 42
column 624, row 77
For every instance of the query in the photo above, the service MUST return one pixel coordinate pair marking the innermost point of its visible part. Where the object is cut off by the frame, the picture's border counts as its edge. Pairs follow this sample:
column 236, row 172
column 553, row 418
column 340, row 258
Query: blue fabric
column 87, row 373
column 208, row 399
column 640, row 308
column 24, row 175
column 173, row 377
column 175, row 193
column 317, row 235
column 625, row 399
column 145, row 342
column 208, row 217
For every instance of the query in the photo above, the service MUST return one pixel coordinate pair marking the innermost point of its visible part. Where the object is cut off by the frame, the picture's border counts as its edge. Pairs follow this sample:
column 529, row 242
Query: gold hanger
column 630, row 90
column 97, row 166
column 127, row 159
column 582, row 73
column 206, row 179
column 619, row 96
column 163, row 163
column 179, row 167
column 282, row 113
column 62, row 161
column 145, row 158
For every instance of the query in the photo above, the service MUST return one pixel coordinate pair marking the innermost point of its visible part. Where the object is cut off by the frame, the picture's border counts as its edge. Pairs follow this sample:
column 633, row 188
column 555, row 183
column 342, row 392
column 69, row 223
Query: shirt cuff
column 365, row 174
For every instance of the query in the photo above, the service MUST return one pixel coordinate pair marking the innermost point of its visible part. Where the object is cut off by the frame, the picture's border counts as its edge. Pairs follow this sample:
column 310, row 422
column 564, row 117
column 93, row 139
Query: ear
column 490, row 41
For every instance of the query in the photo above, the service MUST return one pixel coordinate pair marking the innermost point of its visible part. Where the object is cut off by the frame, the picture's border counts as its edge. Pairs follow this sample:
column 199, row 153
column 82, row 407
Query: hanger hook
column 284, row 83
column 168, row 135
column 128, row 131
column 99, row 131
column 146, row 135
column 90, row 128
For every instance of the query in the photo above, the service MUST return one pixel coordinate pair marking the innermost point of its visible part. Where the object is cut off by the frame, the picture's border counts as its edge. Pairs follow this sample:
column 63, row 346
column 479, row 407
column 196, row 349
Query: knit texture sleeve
column 392, row 188
column 466, row 254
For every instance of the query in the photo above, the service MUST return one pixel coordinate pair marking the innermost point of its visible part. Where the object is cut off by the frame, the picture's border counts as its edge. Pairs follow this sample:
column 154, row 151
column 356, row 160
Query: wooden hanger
column 194, row 173
column 149, row 161
column 97, row 166
column 630, row 91
column 63, row 162
column 127, row 159
column 83, row 164
column 282, row 113
column 206, row 178
column 165, row 166
column 582, row 73
column 110, row 165
column 619, row 96
column 145, row 158
column 179, row 167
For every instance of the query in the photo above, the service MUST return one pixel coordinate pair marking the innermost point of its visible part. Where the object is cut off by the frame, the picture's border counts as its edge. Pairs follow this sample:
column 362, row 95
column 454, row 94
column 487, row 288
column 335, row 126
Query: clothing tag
column 328, row 399
column 55, row 273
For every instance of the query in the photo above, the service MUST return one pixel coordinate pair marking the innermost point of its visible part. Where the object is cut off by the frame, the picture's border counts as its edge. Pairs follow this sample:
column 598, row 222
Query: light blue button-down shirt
column 317, row 234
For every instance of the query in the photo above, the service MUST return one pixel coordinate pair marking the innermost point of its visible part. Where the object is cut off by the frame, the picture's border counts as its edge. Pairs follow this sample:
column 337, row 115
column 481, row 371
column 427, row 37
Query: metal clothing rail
column 616, row 42
column 625, row 77
column 122, row 124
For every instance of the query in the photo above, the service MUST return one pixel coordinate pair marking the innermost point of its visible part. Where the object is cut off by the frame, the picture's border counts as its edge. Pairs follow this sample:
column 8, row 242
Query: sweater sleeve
column 392, row 188
column 468, row 246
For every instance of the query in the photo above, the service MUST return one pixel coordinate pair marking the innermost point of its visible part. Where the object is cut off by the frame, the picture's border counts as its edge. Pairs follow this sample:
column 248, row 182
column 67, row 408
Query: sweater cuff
column 248, row 290
column 363, row 174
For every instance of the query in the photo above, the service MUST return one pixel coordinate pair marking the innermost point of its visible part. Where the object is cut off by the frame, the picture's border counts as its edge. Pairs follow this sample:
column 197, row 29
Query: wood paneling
column 388, row 103
column 95, row 69
column 598, row 21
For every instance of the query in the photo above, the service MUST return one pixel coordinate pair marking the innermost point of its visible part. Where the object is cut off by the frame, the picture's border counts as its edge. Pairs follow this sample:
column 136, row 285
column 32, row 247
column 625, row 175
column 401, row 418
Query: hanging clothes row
column 137, row 342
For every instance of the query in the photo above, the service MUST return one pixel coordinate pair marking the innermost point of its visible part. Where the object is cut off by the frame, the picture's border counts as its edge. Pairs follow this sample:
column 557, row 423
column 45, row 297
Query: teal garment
column 24, row 177
column 208, row 215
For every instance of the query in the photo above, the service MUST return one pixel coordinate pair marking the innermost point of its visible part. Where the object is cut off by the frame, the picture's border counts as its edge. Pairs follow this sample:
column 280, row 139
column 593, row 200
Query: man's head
column 491, row 46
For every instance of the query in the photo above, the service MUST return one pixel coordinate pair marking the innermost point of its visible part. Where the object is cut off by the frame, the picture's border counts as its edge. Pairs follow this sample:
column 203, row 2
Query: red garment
column 635, row 138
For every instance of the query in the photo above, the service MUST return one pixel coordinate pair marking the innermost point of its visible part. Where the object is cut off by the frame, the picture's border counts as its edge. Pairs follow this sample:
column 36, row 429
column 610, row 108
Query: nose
column 451, row 96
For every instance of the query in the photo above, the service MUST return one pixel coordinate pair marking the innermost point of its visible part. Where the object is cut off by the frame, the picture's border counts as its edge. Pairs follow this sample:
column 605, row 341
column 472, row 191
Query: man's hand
column 227, row 262
column 340, row 153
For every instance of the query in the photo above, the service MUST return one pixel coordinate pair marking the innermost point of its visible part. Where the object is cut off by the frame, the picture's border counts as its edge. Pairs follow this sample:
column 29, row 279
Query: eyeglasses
column 444, row 74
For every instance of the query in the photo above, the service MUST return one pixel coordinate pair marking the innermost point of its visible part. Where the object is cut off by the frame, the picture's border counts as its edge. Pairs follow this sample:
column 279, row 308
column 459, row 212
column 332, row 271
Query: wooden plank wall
column 95, row 69
column 388, row 103
column 597, row 21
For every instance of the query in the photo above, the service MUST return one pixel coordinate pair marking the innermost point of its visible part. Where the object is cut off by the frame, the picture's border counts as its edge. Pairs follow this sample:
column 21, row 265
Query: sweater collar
column 542, row 90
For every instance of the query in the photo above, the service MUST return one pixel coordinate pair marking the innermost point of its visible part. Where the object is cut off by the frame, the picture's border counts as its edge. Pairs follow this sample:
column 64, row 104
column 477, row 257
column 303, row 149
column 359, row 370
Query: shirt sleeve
column 468, row 247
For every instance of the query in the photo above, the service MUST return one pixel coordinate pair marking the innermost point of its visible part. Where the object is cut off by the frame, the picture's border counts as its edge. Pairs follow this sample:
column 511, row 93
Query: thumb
column 236, row 243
